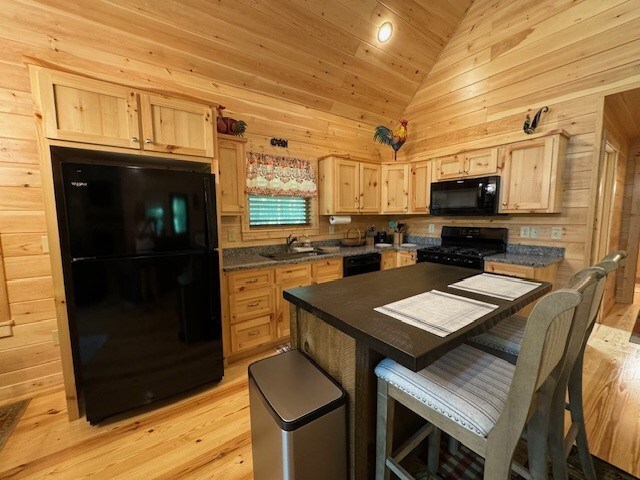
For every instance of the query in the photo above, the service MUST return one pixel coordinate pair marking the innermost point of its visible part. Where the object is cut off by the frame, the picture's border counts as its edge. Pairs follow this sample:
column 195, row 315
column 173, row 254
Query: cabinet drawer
column 250, row 304
column 327, row 270
column 293, row 274
column 250, row 334
column 521, row 271
column 241, row 281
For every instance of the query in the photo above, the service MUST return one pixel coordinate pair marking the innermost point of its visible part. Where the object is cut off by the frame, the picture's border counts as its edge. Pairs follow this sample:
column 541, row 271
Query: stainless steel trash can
column 298, row 420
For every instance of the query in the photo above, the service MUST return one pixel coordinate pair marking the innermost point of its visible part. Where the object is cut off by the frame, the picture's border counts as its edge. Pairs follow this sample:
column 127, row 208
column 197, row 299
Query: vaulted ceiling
column 318, row 53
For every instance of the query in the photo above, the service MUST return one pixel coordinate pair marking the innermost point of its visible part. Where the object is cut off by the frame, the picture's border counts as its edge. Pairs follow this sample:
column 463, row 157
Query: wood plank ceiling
column 317, row 53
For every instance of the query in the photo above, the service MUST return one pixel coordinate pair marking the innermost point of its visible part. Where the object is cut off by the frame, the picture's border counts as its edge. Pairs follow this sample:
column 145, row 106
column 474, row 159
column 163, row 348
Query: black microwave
column 467, row 196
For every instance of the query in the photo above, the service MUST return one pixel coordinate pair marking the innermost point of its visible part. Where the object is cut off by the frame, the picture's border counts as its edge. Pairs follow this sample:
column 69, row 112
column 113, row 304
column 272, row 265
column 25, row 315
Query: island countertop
column 348, row 305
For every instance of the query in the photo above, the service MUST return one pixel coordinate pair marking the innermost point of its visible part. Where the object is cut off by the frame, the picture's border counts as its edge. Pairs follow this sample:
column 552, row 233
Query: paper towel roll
column 339, row 219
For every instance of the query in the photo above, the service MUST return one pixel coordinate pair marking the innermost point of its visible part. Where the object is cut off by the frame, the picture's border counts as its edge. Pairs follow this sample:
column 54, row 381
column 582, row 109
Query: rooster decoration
column 228, row 125
column 394, row 138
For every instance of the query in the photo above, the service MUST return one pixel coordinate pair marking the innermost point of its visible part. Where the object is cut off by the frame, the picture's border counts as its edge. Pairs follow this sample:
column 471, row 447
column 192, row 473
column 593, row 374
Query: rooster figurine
column 228, row 125
column 394, row 138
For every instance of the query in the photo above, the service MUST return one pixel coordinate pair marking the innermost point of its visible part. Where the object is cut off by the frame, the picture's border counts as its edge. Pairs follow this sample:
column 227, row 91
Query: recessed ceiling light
column 384, row 32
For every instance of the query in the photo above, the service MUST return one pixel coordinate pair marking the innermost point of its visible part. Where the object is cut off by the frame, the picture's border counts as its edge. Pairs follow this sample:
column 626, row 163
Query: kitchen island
column 336, row 325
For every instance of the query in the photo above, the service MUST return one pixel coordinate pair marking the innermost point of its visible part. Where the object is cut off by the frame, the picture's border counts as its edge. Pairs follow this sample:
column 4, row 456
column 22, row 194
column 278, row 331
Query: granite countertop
column 529, row 255
column 246, row 258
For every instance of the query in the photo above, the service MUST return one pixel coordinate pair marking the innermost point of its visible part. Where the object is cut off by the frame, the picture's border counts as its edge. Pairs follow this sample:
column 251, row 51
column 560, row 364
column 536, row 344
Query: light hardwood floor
column 207, row 436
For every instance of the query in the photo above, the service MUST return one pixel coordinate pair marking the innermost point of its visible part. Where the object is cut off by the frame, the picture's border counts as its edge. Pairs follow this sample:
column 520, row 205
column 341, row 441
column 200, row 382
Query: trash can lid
column 296, row 390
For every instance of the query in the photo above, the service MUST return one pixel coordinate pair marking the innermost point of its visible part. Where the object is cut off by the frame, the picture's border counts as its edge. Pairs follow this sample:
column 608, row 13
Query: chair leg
column 537, row 437
column 384, row 430
column 495, row 469
column 556, row 439
column 577, row 417
column 454, row 446
column 433, row 457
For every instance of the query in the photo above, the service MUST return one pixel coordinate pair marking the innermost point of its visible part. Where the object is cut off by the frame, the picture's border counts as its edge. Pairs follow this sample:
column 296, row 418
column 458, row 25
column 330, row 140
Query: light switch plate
column 432, row 228
column 231, row 235
column 44, row 242
column 332, row 229
column 535, row 232
column 525, row 232
column 556, row 233
column 54, row 337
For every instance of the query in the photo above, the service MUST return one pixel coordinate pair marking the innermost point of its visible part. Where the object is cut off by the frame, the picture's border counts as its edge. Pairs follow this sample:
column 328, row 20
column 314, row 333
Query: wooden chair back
column 543, row 346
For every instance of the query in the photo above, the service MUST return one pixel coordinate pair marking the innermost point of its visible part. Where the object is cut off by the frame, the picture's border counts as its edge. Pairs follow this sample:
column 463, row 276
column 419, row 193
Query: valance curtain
column 273, row 175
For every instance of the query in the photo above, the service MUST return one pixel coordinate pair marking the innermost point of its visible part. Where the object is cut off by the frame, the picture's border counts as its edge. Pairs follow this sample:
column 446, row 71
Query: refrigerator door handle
column 210, row 214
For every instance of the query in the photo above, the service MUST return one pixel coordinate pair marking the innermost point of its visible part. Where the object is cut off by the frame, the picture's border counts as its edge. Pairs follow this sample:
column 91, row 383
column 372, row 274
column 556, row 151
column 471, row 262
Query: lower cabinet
column 406, row 257
column 547, row 274
column 388, row 260
column 256, row 315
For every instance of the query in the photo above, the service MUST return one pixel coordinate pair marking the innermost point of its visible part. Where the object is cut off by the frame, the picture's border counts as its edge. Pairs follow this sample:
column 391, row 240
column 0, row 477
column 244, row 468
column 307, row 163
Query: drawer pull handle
column 251, row 305
column 253, row 333
column 255, row 280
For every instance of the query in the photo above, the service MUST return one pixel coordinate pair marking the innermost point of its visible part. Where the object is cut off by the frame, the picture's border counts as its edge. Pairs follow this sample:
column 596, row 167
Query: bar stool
column 481, row 400
column 503, row 339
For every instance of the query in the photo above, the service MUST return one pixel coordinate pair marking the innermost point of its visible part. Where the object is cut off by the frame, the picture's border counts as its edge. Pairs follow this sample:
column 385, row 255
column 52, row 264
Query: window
column 268, row 210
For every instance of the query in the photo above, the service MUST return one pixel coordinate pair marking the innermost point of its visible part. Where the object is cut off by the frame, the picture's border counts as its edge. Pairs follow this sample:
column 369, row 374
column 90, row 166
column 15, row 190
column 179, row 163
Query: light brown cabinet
column 474, row 163
column 406, row 257
column 348, row 186
column 231, row 175
column 388, row 260
column 420, row 187
column 532, row 175
column 546, row 273
column 79, row 109
column 395, row 188
column 256, row 314
column 88, row 111
column 176, row 126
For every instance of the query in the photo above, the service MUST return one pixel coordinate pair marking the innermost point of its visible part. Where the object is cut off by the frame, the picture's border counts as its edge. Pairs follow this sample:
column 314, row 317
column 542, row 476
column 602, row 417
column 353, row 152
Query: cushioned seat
column 506, row 336
column 467, row 385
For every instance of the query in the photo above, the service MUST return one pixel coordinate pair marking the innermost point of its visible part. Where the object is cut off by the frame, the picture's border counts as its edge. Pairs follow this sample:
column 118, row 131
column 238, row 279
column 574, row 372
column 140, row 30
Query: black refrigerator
column 140, row 262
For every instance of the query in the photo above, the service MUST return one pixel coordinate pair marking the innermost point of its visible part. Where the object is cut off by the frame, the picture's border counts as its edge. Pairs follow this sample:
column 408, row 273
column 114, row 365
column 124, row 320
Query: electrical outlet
column 525, row 232
column 231, row 235
column 535, row 232
column 556, row 233
column 332, row 229
column 432, row 228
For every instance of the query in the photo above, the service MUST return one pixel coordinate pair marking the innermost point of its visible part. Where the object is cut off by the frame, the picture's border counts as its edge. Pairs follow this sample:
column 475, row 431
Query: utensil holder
column 397, row 238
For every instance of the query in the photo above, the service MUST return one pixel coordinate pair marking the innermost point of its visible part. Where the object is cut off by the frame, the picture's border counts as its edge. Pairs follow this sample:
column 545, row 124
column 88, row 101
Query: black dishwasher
column 358, row 264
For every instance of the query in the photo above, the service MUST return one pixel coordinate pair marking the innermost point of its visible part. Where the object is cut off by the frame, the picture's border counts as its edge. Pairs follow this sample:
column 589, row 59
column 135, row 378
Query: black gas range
column 466, row 246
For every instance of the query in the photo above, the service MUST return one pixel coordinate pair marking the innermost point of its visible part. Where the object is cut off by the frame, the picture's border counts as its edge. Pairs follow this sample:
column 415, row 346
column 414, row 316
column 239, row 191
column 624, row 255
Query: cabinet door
column 448, row 168
column 530, row 180
column 395, row 188
column 420, row 187
column 406, row 258
column 325, row 271
column 176, row 126
column 89, row 111
column 480, row 162
column 388, row 260
column 231, row 177
column 347, row 187
column 369, row 188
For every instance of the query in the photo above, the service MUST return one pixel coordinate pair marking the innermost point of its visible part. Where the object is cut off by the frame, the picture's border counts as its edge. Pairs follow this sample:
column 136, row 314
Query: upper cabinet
column 474, row 163
column 420, row 187
column 89, row 111
column 84, row 110
column 176, row 126
column 395, row 188
column 532, row 175
column 231, row 176
column 348, row 186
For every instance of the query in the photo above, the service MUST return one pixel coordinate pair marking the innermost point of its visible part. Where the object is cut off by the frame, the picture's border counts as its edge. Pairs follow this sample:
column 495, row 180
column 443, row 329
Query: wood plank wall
column 511, row 58
column 29, row 360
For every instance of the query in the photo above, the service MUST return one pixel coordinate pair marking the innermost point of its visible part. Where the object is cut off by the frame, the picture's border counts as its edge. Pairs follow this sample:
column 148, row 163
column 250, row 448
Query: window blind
column 267, row 210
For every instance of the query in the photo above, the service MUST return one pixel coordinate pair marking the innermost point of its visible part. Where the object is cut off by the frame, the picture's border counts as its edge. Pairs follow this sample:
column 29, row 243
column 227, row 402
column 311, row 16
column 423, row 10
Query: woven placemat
column 9, row 416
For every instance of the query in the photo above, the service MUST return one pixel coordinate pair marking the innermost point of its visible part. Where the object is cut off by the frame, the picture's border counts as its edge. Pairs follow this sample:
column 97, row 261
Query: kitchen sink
column 280, row 256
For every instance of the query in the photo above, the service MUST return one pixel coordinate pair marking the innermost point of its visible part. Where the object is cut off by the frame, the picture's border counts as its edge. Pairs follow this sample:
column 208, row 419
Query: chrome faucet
column 290, row 241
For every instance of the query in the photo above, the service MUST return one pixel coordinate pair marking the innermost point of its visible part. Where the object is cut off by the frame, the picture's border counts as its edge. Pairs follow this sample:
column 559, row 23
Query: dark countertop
column 246, row 260
column 348, row 305
column 527, row 259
